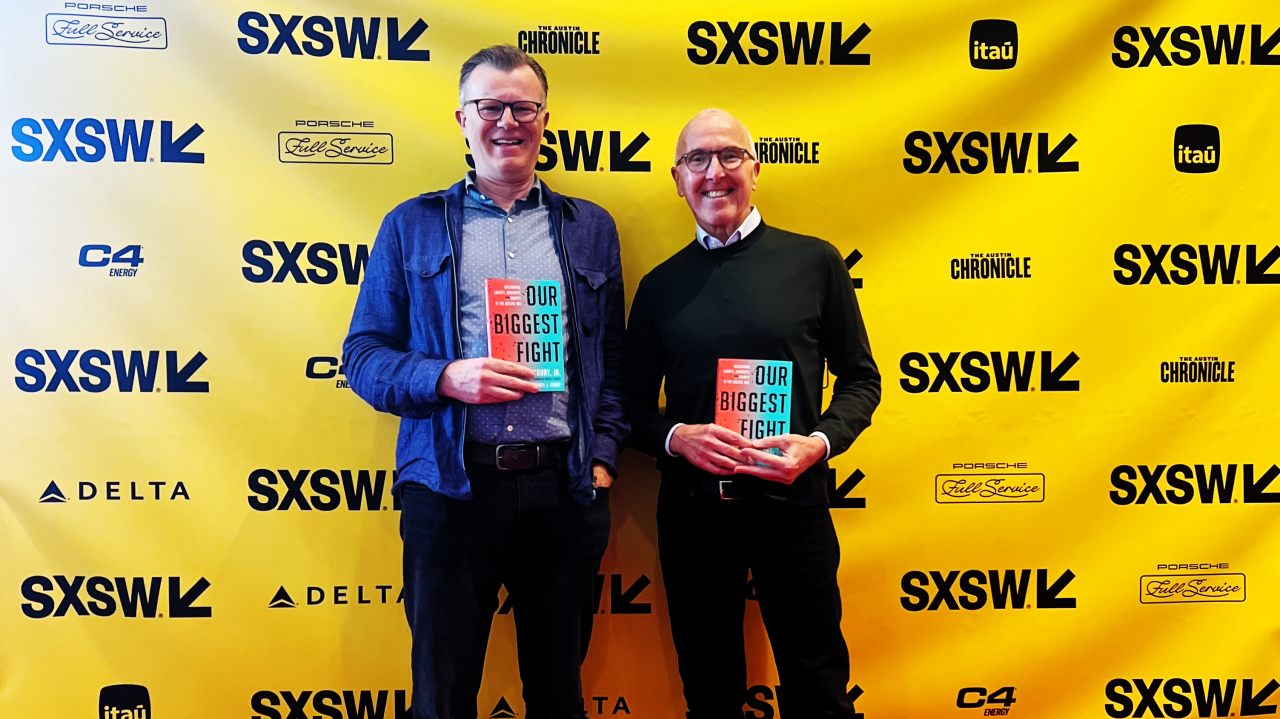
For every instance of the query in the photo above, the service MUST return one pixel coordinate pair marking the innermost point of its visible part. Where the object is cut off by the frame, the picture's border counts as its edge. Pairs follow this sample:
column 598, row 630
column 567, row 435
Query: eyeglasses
column 700, row 160
column 521, row 111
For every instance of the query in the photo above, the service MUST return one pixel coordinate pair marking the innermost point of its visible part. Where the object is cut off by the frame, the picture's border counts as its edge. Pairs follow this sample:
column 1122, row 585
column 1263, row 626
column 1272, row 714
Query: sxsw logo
column 340, row 594
column 147, row 33
column 353, row 35
column 130, row 596
column 132, row 375
column 328, row 368
column 94, row 137
column 801, row 42
column 1009, row 153
column 348, row 704
column 1187, row 43
column 111, row 492
column 124, row 701
column 320, row 256
column 761, row 701
column 1217, row 264
column 361, row 490
column 1212, row 698
column 1011, row 372
column 1006, row 592
column 581, row 150
column 1213, row 484
column 993, row 44
column 1196, row 148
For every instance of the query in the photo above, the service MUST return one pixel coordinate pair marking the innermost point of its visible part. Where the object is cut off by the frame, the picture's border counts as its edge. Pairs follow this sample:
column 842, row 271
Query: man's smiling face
column 720, row 198
column 503, row 149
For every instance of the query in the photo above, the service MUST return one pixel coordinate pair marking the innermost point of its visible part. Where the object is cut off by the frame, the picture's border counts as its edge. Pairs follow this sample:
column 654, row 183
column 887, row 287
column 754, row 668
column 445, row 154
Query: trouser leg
column 794, row 557
column 455, row 554
column 558, row 547
column 705, row 572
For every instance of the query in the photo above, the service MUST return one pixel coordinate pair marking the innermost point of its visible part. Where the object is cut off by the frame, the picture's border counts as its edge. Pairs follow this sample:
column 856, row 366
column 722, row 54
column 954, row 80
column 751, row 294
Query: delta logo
column 1196, row 149
column 1186, row 264
column 1002, row 153
column 125, row 139
column 356, row 490
column 1206, row 697
column 801, row 43
column 345, row 704
column 124, row 701
column 993, row 44
column 133, row 597
column 53, row 494
column 1190, row 44
column 339, row 594
column 354, row 36
column 98, row 369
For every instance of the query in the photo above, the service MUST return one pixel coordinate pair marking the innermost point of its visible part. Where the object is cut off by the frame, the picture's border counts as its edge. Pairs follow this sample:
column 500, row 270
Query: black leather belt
column 723, row 488
column 515, row 456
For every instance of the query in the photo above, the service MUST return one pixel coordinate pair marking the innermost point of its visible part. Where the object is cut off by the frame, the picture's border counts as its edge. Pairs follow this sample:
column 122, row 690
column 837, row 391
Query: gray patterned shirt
column 518, row 245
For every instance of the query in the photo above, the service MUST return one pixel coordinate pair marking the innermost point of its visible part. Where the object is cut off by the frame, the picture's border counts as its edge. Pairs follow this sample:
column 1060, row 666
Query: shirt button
column 512, row 255
column 510, row 428
column 510, row 218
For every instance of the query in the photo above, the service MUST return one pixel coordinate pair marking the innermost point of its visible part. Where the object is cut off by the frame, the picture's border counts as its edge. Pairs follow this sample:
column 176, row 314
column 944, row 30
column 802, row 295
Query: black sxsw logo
column 1008, row 153
column 1187, row 41
column 1011, row 371
column 132, row 596
column 1217, row 264
column 801, row 42
column 1216, row 484
column 1006, row 591
column 1213, row 697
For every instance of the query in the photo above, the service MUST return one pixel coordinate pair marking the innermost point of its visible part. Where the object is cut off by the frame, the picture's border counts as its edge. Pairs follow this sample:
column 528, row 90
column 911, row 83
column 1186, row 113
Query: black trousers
column 522, row 530
column 707, row 545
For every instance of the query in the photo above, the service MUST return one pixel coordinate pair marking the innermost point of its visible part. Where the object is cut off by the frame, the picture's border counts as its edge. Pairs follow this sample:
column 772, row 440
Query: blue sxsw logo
column 134, row 373
column 353, row 35
column 93, row 138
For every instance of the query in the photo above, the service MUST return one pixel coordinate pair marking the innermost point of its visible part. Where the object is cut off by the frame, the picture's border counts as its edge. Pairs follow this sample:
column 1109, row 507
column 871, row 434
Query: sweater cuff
column 667, row 445
column 822, row 436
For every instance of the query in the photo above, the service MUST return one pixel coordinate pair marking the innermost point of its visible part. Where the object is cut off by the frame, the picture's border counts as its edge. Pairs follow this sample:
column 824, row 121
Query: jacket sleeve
column 380, row 367
column 644, row 372
column 856, row 385
column 610, row 426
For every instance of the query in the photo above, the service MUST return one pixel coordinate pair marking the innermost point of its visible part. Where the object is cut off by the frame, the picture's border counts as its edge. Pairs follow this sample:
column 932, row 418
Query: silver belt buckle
column 497, row 455
column 722, row 483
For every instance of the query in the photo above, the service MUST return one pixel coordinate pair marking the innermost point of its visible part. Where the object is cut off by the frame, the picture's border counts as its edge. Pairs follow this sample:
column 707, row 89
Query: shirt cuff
column 820, row 436
column 667, row 446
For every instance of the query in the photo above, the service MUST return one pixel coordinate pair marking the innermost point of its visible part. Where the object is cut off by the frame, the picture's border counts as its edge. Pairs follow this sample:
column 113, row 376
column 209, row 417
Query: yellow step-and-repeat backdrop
column 1061, row 217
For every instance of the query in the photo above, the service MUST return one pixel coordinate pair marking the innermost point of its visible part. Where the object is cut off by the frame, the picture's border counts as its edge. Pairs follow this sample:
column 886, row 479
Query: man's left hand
column 798, row 454
column 601, row 476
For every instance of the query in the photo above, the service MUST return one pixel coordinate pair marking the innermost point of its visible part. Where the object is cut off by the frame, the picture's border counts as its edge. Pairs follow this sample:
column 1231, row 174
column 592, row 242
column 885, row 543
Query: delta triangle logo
column 502, row 710
column 53, row 495
column 282, row 600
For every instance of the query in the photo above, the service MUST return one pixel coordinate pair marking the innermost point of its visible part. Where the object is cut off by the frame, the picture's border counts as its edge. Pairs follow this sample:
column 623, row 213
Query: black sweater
column 774, row 295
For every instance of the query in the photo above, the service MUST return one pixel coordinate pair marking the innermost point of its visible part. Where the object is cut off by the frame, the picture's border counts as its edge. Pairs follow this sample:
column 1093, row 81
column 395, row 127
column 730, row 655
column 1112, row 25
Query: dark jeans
column 522, row 530
column 707, row 545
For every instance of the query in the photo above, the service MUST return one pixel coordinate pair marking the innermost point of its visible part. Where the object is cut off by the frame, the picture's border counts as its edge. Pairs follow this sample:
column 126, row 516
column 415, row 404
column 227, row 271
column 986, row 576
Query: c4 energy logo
column 1210, row 484
column 1008, row 153
column 977, row 589
column 1195, row 583
column 124, row 701
column 102, row 255
column 989, row 486
column 1143, row 46
column 1196, row 148
column 147, row 33
column 794, row 43
column 1207, row 697
column 340, row 594
column 98, row 368
column 361, row 489
column 328, row 368
column 1210, row 264
column 993, row 44
column 559, row 40
column 980, row 698
column 335, row 148
column 113, row 492
column 991, row 266
column 106, row 596
column 786, row 151
column 320, row 257
column 582, row 150
column 356, row 35
column 347, row 704
column 124, row 139
column 1198, row 369
column 1011, row 372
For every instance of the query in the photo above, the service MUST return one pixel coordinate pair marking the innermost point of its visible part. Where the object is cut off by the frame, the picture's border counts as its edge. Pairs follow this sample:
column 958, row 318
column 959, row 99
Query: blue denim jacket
column 404, row 331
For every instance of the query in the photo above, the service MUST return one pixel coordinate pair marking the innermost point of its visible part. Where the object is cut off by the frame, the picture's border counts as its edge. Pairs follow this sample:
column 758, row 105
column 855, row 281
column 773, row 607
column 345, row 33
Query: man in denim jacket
column 500, row 484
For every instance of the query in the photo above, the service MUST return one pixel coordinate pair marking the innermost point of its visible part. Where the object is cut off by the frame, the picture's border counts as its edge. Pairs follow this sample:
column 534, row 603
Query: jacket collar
column 452, row 196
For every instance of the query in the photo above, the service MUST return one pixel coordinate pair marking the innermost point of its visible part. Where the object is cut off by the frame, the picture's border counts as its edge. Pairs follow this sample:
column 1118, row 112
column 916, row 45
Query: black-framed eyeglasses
column 700, row 160
column 521, row 110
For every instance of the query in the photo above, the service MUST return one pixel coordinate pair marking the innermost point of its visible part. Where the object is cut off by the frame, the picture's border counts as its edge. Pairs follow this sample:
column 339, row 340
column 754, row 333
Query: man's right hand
column 485, row 380
column 709, row 447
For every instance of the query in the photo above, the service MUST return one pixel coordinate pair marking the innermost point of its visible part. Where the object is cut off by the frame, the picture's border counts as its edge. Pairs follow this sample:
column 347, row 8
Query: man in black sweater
column 730, row 504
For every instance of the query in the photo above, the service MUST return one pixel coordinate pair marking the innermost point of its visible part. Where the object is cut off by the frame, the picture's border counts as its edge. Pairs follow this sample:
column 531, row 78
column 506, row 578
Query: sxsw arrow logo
column 98, row 370
column 95, row 140
column 979, row 371
column 853, row 695
column 582, row 151
column 849, row 262
column 839, row 496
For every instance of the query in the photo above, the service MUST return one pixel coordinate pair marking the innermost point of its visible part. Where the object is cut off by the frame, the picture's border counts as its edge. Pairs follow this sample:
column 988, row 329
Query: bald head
column 713, row 121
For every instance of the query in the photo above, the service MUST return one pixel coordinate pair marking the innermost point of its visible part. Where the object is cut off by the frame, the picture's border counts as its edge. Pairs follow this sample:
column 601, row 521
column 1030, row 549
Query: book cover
column 525, row 327
column 753, row 397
